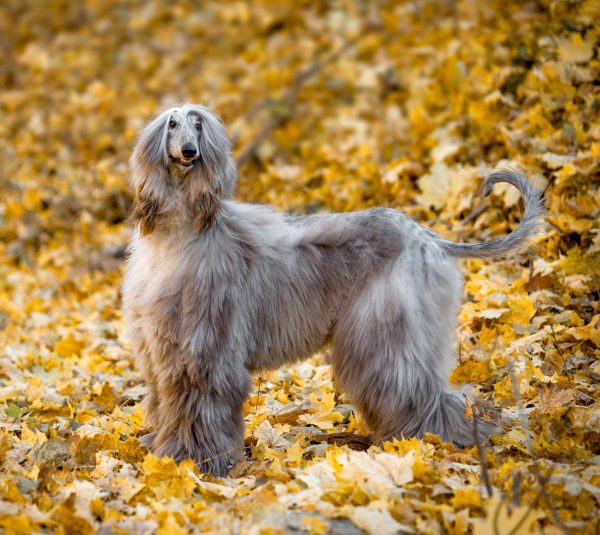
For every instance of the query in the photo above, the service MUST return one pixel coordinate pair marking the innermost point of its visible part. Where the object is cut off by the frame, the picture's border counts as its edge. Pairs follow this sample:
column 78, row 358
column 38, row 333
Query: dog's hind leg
column 392, row 352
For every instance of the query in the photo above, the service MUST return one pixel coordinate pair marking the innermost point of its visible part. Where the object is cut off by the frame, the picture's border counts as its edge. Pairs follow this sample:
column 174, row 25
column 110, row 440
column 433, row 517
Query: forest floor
column 332, row 107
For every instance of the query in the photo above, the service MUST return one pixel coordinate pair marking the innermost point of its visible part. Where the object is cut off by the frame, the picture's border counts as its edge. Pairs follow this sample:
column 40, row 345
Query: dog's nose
column 188, row 150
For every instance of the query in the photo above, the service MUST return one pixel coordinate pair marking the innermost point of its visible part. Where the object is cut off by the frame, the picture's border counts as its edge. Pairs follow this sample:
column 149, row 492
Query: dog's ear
column 149, row 174
column 145, row 213
column 214, row 177
column 215, row 155
column 205, row 209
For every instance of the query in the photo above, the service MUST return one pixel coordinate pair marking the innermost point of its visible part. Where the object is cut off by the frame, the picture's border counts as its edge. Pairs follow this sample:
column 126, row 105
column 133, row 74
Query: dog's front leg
column 203, row 420
column 151, row 409
column 150, row 403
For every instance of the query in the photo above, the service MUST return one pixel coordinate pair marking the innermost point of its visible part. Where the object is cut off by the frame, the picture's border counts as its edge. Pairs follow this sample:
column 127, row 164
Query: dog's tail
column 530, row 225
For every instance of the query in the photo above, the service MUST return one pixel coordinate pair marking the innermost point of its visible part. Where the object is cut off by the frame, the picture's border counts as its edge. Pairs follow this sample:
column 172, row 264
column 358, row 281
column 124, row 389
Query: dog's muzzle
column 183, row 162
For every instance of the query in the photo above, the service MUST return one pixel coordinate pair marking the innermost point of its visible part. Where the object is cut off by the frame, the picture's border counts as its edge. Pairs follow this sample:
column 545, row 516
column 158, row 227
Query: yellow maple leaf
column 170, row 526
column 467, row 497
column 575, row 49
column 435, row 187
column 32, row 436
column 503, row 389
column 324, row 415
column 161, row 467
column 314, row 525
column 477, row 371
column 69, row 346
column 521, row 309
column 589, row 332
column 294, row 454
column 503, row 519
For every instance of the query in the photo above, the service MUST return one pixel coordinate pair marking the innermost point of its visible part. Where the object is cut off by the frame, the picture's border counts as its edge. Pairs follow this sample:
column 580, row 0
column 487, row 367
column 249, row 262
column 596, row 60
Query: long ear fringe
column 215, row 153
column 149, row 174
column 145, row 214
column 150, row 151
column 206, row 208
column 214, row 178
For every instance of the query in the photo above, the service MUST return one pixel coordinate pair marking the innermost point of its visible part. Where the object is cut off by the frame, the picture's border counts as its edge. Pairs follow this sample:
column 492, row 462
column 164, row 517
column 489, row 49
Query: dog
column 215, row 290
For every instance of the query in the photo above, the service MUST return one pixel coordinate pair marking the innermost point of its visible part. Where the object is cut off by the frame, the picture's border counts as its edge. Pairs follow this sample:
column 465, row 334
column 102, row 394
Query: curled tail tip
column 529, row 227
column 498, row 175
column 486, row 190
column 510, row 175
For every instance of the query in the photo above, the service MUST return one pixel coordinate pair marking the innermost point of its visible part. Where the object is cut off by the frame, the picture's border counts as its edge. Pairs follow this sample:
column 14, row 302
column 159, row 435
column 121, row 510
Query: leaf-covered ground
column 332, row 106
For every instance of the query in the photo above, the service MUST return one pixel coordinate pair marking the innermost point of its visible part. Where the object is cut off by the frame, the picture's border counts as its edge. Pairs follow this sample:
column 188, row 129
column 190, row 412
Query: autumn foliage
column 332, row 106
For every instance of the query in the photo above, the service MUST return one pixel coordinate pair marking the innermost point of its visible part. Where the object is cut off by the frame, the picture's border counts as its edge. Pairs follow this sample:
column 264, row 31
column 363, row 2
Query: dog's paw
column 216, row 459
column 451, row 423
column 147, row 440
column 218, row 465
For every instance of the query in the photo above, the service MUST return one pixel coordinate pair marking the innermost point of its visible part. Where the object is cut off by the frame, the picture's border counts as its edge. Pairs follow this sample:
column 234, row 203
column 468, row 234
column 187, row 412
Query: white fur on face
column 183, row 130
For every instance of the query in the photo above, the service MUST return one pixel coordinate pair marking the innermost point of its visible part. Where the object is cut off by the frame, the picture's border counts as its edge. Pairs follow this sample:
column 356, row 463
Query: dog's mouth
column 186, row 164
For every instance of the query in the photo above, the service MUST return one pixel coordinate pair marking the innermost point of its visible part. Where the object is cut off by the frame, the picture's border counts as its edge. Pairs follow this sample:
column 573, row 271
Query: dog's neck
column 188, row 204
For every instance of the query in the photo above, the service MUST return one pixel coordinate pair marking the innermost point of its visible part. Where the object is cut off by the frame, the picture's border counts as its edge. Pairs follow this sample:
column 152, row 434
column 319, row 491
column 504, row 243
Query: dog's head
column 185, row 151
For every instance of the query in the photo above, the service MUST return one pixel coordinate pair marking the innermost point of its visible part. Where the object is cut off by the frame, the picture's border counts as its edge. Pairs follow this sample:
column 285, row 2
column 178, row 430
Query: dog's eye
column 172, row 124
column 198, row 126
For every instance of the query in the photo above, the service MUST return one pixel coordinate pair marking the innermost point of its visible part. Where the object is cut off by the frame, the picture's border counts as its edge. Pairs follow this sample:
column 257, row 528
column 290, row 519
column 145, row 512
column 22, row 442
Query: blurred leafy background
column 337, row 105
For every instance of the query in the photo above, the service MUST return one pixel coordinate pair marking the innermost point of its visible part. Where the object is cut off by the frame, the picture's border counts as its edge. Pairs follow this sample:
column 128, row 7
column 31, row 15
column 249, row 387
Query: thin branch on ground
column 258, row 394
column 248, row 117
column 485, row 476
column 476, row 212
column 344, row 438
column 562, row 357
column 496, row 517
column 521, row 521
column 542, row 480
column 516, row 497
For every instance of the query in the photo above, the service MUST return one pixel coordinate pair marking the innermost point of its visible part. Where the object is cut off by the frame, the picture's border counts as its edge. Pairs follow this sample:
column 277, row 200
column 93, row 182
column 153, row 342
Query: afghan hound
column 215, row 290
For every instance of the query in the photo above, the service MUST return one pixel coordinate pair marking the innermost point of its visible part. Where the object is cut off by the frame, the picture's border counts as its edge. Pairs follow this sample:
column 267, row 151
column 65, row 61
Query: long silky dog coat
column 216, row 289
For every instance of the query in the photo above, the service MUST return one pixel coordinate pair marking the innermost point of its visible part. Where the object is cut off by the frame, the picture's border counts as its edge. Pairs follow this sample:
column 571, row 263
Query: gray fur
column 530, row 225
column 249, row 289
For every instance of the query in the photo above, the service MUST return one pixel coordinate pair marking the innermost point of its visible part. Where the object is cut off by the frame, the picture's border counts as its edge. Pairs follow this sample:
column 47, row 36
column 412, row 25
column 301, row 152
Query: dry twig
column 344, row 438
column 529, row 443
column 258, row 394
column 485, row 476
